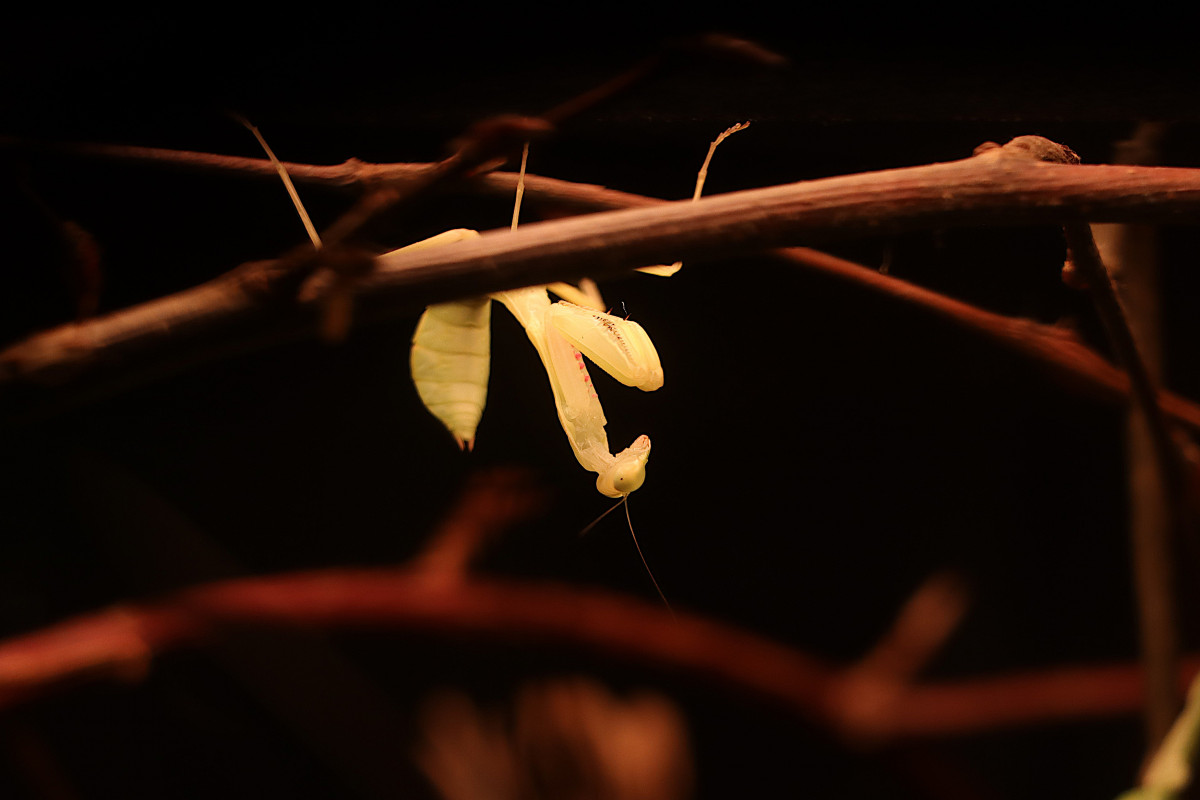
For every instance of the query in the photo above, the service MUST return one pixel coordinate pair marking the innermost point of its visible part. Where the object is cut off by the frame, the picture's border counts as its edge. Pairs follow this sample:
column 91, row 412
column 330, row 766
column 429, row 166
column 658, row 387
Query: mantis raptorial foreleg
column 620, row 347
column 579, row 410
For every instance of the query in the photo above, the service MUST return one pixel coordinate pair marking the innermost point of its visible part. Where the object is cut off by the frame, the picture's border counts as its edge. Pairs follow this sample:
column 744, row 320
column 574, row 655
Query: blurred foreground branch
column 122, row 642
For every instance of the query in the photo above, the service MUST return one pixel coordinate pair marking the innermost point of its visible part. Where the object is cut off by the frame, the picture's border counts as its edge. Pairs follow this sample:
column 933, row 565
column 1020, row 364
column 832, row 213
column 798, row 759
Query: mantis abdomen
column 450, row 360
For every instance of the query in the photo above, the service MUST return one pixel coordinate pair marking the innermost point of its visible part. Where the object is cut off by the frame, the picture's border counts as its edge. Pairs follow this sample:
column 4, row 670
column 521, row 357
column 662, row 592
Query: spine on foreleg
column 451, row 354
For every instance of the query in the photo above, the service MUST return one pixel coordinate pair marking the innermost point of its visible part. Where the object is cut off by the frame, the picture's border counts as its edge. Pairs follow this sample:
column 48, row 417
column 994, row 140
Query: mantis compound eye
column 622, row 479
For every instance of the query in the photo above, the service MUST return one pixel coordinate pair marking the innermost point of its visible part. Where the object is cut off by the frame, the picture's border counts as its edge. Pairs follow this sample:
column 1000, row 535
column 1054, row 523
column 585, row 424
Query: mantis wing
column 450, row 360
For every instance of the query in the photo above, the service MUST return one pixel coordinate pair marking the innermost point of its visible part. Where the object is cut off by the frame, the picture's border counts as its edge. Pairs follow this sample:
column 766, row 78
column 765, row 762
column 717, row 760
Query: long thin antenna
column 596, row 521
column 629, row 519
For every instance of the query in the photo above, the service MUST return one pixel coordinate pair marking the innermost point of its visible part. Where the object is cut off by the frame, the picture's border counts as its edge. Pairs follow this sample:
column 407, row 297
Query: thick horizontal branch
column 122, row 643
column 976, row 191
column 1055, row 348
column 239, row 311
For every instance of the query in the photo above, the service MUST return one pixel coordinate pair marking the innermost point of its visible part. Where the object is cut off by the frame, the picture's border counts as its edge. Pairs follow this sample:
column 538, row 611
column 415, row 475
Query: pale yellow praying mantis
column 451, row 354
column 451, row 351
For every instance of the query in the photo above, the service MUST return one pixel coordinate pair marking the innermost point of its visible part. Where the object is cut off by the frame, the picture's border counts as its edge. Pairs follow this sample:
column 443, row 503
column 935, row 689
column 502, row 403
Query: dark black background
column 818, row 451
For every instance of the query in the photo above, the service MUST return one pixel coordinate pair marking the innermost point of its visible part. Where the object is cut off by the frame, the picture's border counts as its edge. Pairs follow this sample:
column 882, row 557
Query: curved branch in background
column 238, row 311
column 867, row 703
column 122, row 642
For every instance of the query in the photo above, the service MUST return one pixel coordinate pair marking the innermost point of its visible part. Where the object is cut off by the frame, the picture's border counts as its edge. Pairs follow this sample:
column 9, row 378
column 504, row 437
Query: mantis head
column 627, row 471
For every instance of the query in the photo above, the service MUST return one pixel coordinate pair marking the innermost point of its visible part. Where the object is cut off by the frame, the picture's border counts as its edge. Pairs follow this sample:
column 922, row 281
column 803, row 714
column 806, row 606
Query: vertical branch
column 1153, row 576
column 1130, row 254
column 1154, row 580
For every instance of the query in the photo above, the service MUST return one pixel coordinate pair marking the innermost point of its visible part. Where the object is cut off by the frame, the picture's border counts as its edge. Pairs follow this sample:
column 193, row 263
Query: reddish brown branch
column 712, row 45
column 122, row 642
column 867, row 692
column 1055, row 348
column 202, row 322
column 979, row 191
column 1156, row 466
column 1152, row 545
column 1154, row 574
column 919, row 630
column 1062, row 693
column 492, row 502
